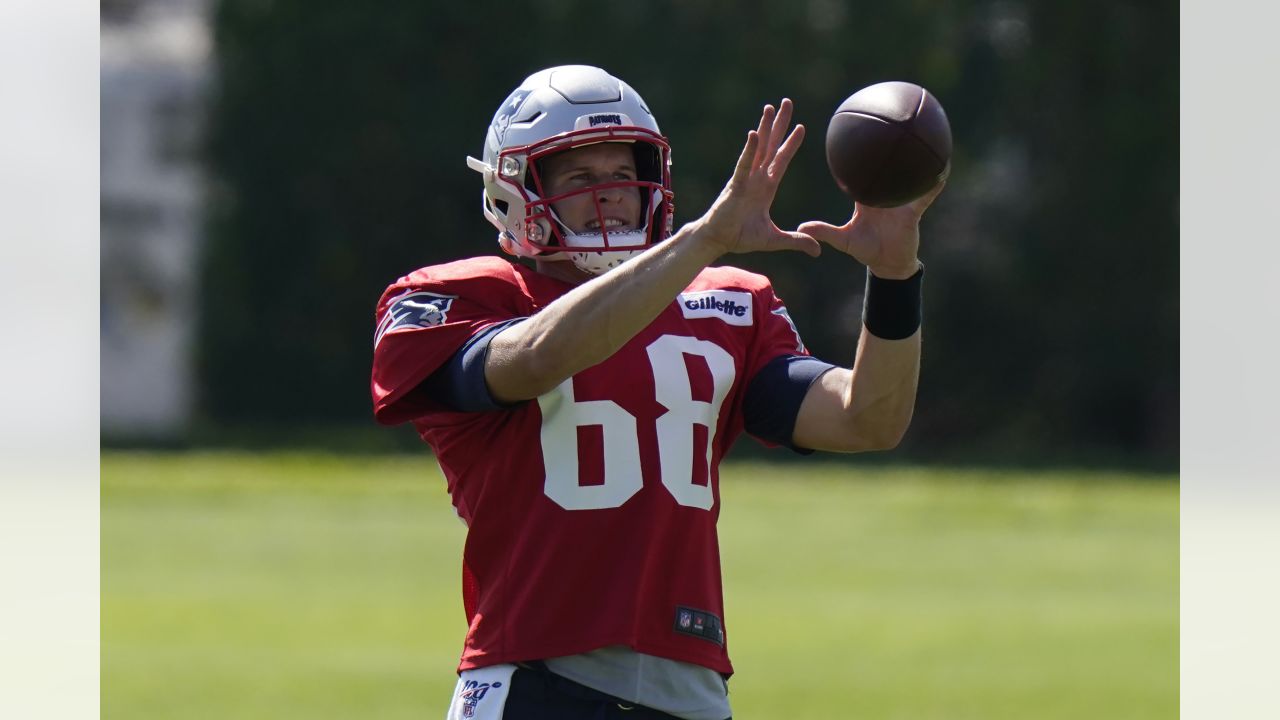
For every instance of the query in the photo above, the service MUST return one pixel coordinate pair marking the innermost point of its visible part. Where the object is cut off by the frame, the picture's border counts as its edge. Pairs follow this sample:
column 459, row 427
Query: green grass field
column 313, row 586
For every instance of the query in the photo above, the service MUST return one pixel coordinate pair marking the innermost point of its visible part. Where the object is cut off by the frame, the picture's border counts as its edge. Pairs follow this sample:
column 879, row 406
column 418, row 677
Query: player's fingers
column 833, row 235
column 786, row 152
column 802, row 242
column 780, row 124
column 764, row 129
column 747, row 158
column 922, row 203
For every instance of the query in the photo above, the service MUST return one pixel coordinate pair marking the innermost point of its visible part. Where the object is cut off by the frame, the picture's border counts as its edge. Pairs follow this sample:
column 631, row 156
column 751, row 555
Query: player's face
column 590, row 165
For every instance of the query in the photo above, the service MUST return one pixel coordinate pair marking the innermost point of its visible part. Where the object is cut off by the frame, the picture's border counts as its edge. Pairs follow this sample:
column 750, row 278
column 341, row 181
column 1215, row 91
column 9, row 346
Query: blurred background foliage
column 338, row 133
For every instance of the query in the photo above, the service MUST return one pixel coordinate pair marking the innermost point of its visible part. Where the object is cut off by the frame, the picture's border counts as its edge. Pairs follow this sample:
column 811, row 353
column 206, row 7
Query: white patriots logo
column 414, row 310
column 502, row 120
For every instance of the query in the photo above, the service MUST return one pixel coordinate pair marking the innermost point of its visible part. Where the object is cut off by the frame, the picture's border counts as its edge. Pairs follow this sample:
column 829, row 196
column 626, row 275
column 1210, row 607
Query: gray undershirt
column 677, row 688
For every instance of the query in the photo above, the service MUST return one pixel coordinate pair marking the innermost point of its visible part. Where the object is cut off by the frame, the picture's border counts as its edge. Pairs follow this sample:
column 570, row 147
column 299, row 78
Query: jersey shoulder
column 483, row 268
column 727, row 276
column 723, row 291
column 422, row 320
column 489, row 273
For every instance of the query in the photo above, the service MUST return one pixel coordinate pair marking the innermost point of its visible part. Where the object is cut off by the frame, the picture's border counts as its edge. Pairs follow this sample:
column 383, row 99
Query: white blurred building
column 155, row 70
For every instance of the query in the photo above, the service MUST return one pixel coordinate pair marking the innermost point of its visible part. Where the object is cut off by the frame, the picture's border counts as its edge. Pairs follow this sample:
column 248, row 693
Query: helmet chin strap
column 598, row 262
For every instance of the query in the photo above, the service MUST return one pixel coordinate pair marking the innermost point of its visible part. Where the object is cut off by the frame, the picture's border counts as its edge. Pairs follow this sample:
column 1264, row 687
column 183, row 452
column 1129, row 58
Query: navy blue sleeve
column 459, row 383
column 775, row 394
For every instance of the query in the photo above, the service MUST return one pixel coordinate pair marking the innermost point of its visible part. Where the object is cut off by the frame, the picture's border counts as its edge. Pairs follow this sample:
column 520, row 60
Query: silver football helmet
column 558, row 109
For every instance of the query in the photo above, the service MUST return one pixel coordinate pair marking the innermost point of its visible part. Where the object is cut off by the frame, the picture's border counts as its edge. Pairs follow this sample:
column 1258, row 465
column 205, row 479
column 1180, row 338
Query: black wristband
column 893, row 309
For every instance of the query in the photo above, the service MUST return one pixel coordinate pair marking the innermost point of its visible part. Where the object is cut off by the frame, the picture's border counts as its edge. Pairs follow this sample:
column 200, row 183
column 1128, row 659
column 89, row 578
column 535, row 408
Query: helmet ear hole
column 648, row 160
column 501, row 205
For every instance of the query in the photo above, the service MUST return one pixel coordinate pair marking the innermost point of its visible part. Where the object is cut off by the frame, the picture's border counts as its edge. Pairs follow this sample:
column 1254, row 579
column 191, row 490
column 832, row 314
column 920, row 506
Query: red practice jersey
column 591, row 511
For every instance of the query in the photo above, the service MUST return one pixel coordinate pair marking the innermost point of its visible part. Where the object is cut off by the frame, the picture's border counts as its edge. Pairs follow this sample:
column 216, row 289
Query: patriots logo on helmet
column 414, row 310
column 502, row 119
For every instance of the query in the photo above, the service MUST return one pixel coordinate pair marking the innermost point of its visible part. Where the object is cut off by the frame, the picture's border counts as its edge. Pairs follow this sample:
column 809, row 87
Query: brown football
column 888, row 144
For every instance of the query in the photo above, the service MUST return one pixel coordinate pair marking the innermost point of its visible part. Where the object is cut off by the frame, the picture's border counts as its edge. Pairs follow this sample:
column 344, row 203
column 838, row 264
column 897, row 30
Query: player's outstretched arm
column 588, row 324
column 869, row 407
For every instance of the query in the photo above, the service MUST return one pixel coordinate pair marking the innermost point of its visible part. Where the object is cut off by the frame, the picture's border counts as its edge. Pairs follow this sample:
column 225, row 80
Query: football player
column 580, row 402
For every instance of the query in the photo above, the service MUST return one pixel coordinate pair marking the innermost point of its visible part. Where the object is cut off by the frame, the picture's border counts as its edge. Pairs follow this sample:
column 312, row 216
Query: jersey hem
column 474, row 660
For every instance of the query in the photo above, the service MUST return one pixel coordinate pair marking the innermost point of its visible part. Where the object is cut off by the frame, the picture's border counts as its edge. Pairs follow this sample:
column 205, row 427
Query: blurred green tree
column 338, row 135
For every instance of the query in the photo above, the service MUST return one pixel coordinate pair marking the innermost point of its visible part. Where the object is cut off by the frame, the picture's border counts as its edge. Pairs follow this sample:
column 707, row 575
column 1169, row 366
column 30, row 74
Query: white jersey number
column 689, row 482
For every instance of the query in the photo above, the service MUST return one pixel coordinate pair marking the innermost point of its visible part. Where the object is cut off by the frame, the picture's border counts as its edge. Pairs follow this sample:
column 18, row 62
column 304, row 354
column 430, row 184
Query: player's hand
column 739, row 219
column 886, row 240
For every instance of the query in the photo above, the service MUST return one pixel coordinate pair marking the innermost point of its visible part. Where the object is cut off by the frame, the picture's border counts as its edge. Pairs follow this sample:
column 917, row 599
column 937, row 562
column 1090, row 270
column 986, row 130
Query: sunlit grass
column 292, row 586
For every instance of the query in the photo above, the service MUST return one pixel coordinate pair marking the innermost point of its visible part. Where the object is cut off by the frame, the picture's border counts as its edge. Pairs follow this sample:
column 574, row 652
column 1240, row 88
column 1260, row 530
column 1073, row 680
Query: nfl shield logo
column 685, row 619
